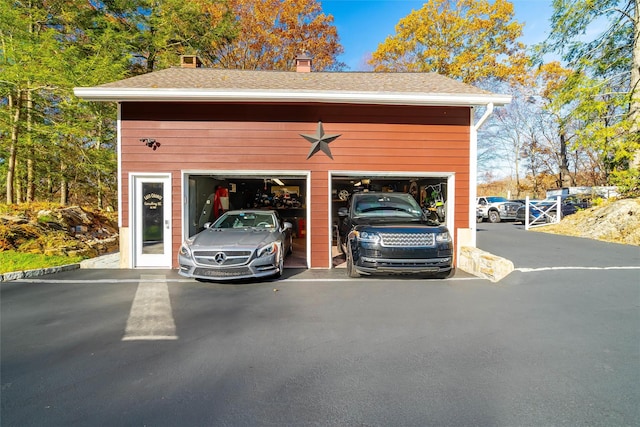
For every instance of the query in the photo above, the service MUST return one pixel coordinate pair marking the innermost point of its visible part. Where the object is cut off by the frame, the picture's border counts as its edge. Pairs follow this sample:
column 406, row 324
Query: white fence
column 539, row 216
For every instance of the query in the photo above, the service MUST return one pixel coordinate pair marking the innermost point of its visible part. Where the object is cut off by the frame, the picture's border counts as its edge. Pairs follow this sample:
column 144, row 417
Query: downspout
column 473, row 171
column 484, row 117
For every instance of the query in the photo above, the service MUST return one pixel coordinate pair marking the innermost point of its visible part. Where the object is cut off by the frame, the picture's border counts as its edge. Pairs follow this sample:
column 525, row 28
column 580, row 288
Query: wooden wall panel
column 244, row 137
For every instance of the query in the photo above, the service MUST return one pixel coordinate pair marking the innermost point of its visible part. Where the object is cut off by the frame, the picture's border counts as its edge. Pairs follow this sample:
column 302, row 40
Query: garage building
column 193, row 142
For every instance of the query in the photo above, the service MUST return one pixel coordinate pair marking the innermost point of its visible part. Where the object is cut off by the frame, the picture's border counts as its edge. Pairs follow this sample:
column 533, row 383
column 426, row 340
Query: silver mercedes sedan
column 238, row 245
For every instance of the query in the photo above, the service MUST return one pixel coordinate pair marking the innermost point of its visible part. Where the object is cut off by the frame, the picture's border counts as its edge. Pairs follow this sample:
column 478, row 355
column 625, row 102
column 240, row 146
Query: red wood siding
column 247, row 137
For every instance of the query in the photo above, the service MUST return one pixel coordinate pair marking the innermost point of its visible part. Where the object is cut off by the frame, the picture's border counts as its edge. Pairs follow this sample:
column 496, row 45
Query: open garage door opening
column 209, row 194
column 434, row 193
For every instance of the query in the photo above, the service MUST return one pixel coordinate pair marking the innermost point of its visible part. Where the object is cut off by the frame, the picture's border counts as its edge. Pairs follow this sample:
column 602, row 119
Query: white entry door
column 151, row 213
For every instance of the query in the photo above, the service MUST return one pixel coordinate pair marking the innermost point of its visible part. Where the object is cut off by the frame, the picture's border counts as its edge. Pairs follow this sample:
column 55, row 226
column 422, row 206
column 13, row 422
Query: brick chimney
column 303, row 63
column 190, row 61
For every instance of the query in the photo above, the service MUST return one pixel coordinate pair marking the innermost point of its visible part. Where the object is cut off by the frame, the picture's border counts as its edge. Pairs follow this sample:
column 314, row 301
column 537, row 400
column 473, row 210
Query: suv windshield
column 402, row 205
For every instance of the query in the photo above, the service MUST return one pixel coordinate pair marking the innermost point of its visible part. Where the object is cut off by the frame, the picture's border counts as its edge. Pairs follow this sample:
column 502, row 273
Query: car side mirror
column 287, row 226
column 343, row 212
column 207, row 224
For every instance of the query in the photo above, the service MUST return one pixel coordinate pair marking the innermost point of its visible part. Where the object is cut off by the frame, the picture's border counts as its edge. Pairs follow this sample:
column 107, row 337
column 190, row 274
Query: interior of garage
column 430, row 192
column 285, row 194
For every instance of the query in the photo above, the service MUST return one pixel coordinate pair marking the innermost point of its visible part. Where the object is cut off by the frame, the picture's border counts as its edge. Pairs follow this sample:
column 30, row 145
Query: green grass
column 18, row 261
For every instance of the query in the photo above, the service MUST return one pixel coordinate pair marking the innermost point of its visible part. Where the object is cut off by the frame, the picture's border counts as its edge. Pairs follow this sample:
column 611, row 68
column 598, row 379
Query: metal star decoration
column 320, row 141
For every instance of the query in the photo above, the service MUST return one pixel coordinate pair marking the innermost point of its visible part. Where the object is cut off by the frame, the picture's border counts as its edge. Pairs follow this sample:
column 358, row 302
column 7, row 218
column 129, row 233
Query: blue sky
column 363, row 24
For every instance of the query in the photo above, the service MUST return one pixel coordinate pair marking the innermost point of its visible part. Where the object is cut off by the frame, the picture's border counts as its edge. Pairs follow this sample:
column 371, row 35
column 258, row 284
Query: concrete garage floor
column 338, row 259
column 298, row 258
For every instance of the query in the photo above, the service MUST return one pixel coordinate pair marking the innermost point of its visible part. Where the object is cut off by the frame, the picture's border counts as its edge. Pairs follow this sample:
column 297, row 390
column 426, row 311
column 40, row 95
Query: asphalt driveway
column 536, row 249
column 543, row 347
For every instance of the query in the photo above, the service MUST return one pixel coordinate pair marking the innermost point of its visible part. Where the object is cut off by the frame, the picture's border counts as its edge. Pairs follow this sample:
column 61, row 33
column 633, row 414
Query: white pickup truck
column 496, row 209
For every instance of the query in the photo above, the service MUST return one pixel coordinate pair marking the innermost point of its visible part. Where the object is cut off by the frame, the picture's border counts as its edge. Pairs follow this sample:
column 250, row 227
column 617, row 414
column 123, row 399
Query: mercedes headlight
column 268, row 249
column 185, row 249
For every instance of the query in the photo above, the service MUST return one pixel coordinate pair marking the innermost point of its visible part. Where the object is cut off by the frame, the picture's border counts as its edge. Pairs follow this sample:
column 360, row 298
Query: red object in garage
column 302, row 227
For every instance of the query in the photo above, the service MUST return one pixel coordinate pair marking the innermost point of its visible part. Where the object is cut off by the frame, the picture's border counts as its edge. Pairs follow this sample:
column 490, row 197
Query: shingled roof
column 204, row 84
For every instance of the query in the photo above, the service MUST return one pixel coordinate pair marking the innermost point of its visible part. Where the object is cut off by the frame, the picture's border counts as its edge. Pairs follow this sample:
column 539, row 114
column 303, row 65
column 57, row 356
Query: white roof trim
column 344, row 97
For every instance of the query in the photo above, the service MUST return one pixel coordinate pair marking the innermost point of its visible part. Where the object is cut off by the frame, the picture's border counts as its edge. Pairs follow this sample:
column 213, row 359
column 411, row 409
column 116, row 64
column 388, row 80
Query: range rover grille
column 407, row 239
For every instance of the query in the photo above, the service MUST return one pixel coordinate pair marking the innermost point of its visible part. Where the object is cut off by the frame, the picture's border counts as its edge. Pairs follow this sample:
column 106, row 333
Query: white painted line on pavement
column 105, row 281
column 374, row 279
column 102, row 281
column 289, row 279
column 151, row 317
column 533, row 270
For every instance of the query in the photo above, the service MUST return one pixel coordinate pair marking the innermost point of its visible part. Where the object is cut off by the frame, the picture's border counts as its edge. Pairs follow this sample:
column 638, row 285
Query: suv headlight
column 443, row 237
column 368, row 237
column 268, row 249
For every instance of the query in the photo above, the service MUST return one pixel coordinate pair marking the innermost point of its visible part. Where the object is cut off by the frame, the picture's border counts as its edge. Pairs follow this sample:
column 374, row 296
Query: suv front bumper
column 366, row 265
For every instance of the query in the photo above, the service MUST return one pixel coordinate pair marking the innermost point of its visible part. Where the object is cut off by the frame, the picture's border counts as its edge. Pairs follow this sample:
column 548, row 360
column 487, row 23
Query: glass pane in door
column 152, row 218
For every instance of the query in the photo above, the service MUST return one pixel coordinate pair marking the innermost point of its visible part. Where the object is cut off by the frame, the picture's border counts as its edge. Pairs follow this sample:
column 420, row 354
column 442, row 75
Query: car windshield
column 496, row 199
column 387, row 205
column 245, row 220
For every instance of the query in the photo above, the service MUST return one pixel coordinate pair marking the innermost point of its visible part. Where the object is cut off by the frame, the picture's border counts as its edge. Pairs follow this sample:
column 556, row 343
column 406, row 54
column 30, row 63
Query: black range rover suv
column 389, row 233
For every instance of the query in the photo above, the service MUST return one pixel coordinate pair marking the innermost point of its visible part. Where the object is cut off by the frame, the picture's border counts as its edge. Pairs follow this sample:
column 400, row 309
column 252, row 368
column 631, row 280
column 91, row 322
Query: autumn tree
column 550, row 77
column 518, row 136
column 605, row 85
column 271, row 33
column 469, row 40
column 502, row 141
column 534, row 137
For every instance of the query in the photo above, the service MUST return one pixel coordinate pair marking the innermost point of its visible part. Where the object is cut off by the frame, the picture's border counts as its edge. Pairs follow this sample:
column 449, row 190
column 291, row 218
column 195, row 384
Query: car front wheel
column 280, row 268
column 351, row 269
column 494, row 216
